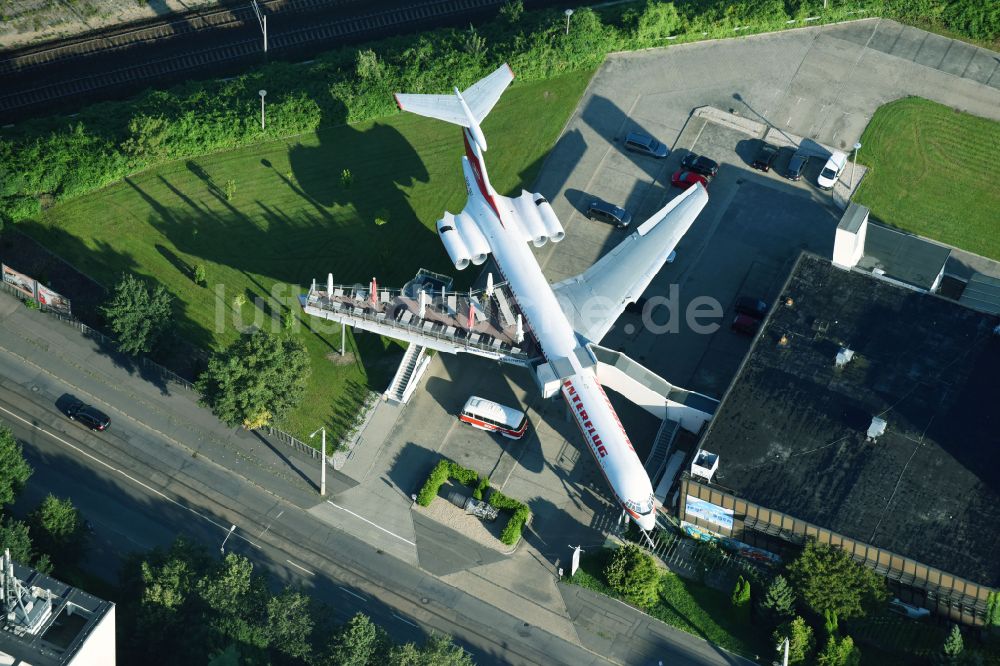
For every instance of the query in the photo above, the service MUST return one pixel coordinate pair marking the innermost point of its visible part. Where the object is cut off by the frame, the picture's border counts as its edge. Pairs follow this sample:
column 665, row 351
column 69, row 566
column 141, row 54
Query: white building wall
column 849, row 247
column 99, row 648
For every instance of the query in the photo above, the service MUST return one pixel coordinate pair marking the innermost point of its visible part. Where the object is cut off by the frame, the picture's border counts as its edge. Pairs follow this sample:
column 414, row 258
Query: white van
column 831, row 170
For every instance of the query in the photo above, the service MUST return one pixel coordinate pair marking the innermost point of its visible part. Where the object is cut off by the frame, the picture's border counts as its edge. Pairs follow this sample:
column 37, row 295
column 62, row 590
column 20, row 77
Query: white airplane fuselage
column 592, row 411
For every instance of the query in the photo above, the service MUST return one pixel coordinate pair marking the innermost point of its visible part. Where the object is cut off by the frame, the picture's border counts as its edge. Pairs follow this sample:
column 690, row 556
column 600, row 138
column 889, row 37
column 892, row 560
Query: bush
column 484, row 483
column 740, row 599
column 512, row 530
column 434, row 482
column 633, row 573
column 200, row 276
column 18, row 207
column 463, row 475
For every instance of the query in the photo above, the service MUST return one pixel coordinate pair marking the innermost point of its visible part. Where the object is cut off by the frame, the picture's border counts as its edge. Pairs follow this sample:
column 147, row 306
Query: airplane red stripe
column 476, row 169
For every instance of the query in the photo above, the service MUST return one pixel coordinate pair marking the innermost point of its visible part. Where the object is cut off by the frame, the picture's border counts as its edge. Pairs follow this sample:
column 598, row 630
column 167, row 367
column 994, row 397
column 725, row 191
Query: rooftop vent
column 876, row 429
column 844, row 356
column 704, row 465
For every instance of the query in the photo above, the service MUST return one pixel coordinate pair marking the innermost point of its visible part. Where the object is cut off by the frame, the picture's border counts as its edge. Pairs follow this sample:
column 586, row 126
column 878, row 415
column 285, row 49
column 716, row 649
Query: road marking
column 300, row 568
column 403, row 619
column 373, row 524
column 358, row 596
column 263, row 531
column 125, row 474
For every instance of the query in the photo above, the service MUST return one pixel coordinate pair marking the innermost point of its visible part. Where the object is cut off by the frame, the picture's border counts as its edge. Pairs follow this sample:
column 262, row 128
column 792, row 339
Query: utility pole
column 261, row 21
column 262, row 93
column 322, row 473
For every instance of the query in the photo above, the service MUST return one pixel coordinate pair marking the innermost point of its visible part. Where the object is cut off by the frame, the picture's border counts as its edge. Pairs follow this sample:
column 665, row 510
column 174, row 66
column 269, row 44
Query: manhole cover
column 34, row 389
column 424, row 600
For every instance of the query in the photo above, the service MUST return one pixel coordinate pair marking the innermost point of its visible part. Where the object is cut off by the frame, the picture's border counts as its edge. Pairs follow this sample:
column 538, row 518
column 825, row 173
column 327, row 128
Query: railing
column 358, row 312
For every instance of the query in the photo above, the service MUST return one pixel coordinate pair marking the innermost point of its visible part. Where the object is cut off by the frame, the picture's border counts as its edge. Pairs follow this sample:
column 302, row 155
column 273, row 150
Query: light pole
column 854, row 165
column 261, row 20
column 322, row 473
column 569, row 12
column 262, row 93
column 222, row 548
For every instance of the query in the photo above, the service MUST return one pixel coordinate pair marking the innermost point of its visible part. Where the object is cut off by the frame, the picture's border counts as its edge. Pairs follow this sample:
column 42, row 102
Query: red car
column 685, row 179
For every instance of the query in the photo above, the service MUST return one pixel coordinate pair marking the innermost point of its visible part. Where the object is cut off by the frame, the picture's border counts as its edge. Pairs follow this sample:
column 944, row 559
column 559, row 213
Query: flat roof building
column 865, row 415
column 46, row 622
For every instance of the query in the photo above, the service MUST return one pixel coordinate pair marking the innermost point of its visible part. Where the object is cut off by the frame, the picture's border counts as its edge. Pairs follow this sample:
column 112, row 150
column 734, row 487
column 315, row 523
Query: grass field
column 687, row 605
column 934, row 172
column 266, row 220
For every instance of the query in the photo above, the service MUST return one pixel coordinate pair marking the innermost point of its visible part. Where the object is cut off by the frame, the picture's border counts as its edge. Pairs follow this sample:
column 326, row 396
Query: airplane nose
column 648, row 521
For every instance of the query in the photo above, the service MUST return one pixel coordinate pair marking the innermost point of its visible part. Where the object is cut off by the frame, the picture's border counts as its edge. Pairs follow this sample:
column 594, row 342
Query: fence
column 157, row 370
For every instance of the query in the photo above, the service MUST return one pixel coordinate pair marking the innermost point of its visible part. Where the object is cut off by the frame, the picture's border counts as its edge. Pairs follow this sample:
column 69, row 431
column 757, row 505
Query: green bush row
column 60, row 157
column 446, row 469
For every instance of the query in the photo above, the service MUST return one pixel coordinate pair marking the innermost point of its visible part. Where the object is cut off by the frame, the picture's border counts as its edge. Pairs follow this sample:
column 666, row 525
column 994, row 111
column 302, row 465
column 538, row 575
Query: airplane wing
column 442, row 107
column 483, row 95
column 594, row 299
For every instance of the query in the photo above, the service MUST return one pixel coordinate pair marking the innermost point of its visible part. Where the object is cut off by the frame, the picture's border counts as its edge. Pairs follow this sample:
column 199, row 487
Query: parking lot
column 820, row 84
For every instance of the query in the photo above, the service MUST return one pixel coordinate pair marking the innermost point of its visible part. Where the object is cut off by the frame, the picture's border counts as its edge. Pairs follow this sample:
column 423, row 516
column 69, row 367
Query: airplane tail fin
column 467, row 108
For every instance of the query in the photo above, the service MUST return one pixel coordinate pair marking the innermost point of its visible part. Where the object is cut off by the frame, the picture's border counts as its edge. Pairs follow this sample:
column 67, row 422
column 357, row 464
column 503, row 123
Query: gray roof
column 853, row 217
column 982, row 293
column 903, row 256
column 791, row 431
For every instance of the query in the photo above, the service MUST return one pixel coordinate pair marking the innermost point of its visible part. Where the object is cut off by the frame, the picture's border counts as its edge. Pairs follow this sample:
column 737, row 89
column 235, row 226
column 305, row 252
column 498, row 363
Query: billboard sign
column 758, row 555
column 19, row 281
column 699, row 508
column 53, row 301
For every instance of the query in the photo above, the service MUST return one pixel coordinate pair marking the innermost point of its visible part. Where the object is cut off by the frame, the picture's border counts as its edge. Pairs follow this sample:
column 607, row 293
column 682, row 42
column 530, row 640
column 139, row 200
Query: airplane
column 559, row 317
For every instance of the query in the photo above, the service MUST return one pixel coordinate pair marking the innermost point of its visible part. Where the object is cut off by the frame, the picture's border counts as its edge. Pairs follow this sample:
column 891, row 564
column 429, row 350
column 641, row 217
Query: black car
column 647, row 145
column 605, row 212
column 753, row 307
column 796, row 166
column 700, row 164
column 766, row 155
column 89, row 416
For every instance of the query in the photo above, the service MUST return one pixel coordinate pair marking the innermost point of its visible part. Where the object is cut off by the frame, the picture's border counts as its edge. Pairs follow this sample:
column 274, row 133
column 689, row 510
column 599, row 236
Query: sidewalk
column 113, row 383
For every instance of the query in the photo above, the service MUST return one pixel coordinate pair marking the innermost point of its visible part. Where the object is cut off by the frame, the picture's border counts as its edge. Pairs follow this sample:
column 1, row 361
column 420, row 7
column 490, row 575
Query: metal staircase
column 656, row 462
column 412, row 366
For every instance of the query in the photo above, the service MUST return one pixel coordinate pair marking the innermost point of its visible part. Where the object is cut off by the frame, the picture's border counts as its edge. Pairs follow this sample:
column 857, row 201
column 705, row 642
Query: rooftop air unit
column 844, row 356
column 876, row 429
column 705, row 465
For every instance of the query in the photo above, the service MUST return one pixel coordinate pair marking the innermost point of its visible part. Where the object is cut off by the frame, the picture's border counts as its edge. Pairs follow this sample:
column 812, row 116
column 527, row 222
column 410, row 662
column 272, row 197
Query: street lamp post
column 261, row 20
column 322, row 473
column 262, row 93
column 222, row 548
column 569, row 12
column 854, row 165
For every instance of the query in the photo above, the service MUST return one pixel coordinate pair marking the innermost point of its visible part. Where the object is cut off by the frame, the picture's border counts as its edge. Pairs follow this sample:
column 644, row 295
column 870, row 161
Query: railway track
column 201, row 41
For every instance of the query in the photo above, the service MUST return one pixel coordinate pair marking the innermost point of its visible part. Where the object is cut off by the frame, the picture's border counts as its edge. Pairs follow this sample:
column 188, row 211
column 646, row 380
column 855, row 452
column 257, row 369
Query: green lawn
column 687, row 605
column 934, row 172
column 290, row 220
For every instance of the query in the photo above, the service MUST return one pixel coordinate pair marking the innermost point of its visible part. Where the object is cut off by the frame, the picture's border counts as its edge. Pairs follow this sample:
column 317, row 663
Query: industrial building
column 49, row 623
column 864, row 416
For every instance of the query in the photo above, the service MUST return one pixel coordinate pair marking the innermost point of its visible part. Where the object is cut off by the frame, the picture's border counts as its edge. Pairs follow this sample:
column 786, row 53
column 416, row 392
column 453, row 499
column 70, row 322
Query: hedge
column 446, row 469
column 60, row 157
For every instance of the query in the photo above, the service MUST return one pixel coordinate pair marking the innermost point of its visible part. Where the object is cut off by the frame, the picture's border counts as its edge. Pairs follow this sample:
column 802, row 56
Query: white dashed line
column 300, row 568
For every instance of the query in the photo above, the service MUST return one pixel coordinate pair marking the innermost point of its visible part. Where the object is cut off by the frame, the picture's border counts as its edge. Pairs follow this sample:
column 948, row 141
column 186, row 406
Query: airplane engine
column 531, row 220
column 552, row 225
column 473, row 238
column 457, row 250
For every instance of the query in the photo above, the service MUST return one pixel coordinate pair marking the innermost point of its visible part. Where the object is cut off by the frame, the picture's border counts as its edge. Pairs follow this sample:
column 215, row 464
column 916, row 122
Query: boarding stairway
column 426, row 312
column 656, row 462
column 414, row 362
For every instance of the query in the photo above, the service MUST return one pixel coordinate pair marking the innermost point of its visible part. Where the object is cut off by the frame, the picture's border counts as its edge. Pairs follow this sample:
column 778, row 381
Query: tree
column 437, row 651
column 360, row 642
column 801, row 641
column 778, row 602
column 993, row 609
column 840, row 652
column 290, row 623
column 236, row 600
column 14, row 470
column 16, row 537
column 259, row 377
column 633, row 574
column 137, row 314
column 741, row 600
column 829, row 581
column 58, row 529
column 953, row 646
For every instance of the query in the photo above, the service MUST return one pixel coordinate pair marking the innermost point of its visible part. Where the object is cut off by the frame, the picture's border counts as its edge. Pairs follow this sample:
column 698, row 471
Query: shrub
column 18, row 207
column 230, row 189
column 346, row 178
column 434, row 482
column 463, row 475
column 512, row 530
column 741, row 600
column 633, row 573
column 200, row 277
